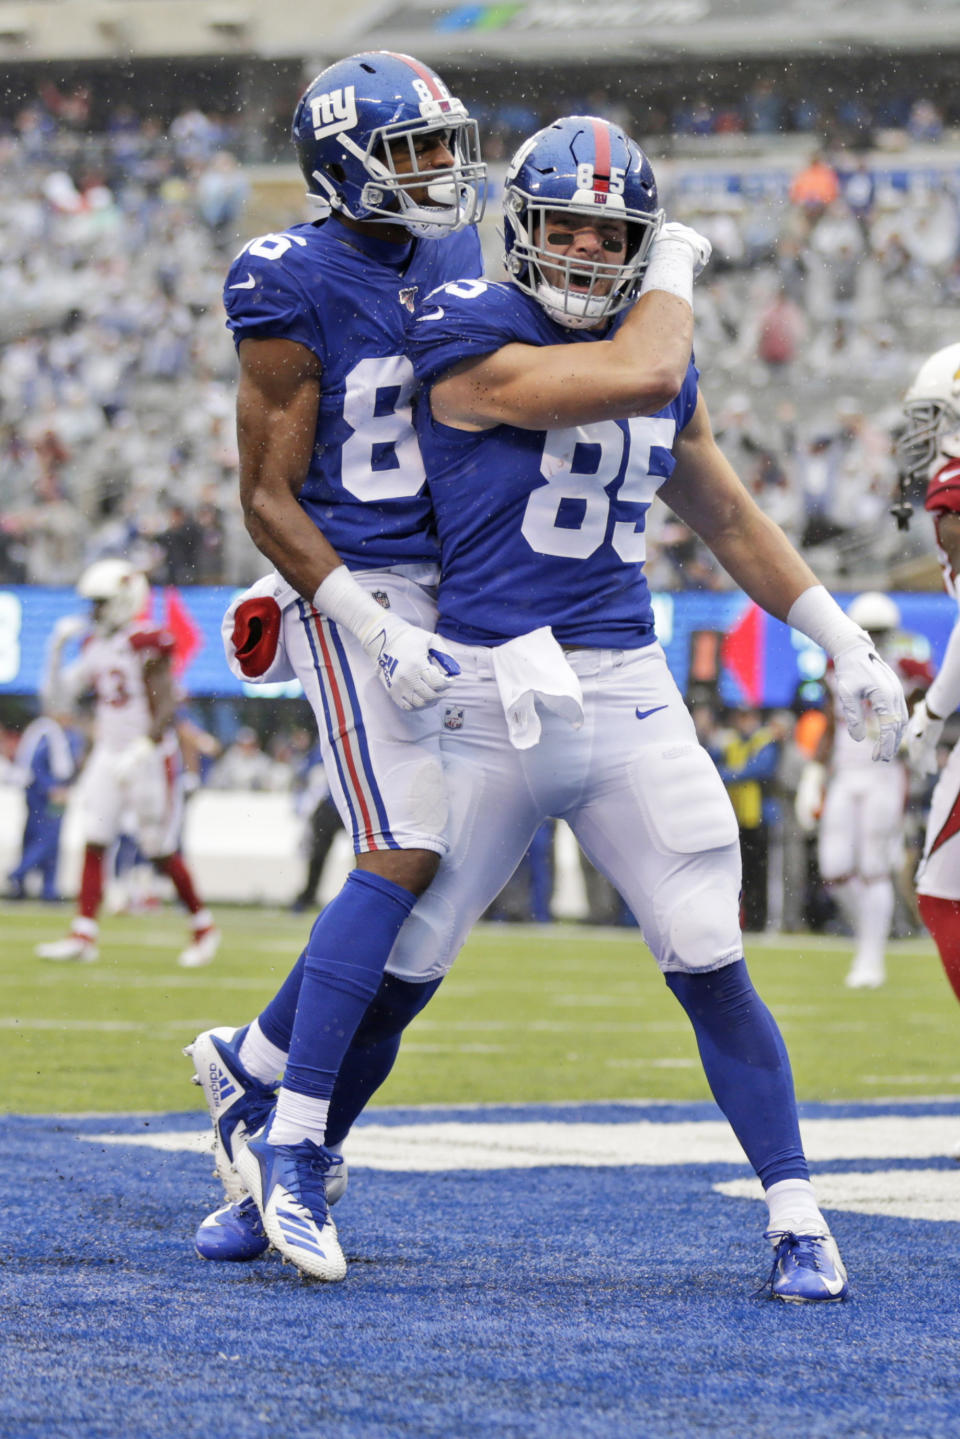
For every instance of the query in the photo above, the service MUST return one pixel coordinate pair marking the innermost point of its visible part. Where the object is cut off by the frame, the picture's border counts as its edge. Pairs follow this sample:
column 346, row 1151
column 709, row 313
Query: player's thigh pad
column 156, row 798
column 838, row 836
column 881, row 832
column 655, row 816
column 493, row 816
column 382, row 763
column 101, row 798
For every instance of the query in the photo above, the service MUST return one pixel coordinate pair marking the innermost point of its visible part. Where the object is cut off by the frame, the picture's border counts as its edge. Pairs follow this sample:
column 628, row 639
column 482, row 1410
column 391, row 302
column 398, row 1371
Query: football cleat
column 807, row 1268
column 287, row 1182
column 75, row 947
column 201, row 949
column 234, row 1232
column 865, row 975
column 238, row 1103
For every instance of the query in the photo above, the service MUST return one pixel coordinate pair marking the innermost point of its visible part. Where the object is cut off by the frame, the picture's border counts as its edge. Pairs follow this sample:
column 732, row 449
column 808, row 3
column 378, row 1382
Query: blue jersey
column 537, row 527
column 345, row 296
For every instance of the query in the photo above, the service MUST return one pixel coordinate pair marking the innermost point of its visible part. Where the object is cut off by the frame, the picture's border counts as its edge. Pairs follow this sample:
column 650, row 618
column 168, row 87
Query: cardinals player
column 929, row 448
column 134, row 766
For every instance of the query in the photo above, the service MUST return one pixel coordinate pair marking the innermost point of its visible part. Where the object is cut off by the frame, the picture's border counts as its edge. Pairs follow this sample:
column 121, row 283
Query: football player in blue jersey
column 333, row 493
column 555, row 406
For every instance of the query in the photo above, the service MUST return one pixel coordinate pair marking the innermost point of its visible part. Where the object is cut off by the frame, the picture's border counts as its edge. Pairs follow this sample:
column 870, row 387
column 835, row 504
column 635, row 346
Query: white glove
column 67, row 628
column 413, row 671
column 808, row 803
column 866, row 683
column 922, row 737
column 677, row 256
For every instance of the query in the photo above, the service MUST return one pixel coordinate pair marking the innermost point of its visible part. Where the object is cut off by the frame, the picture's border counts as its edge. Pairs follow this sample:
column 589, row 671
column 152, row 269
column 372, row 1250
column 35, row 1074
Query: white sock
column 261, row 1058
column 793, row 1208
column 876, row 916
column 298, row 1117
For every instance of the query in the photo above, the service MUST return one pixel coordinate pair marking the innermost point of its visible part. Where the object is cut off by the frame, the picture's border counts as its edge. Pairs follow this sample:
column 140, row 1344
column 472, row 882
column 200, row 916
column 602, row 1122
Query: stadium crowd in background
column 117, row 373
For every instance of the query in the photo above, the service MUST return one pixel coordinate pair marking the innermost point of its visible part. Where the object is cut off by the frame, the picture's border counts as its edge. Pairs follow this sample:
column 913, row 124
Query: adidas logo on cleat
column 221, row 1084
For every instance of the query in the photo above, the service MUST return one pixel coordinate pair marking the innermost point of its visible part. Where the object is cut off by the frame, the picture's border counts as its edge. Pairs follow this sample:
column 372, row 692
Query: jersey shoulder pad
column 943, row 491
column 460, row 320
column 152, row 640
column 266, row 286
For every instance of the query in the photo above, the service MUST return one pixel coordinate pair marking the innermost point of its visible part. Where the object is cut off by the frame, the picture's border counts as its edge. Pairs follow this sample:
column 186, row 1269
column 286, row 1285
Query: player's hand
column 131, row 760
column 412, row 668
column 922, row 737
column 865, row 683
column 808, row 803
column 675, row 238
column 67, row 628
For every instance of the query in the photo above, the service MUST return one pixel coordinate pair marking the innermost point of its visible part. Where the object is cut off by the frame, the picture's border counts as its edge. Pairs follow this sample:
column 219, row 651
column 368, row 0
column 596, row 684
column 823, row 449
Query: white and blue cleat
column 807, row 1268
column 238, row 1104
column 234, row 1232
column 288, row 1185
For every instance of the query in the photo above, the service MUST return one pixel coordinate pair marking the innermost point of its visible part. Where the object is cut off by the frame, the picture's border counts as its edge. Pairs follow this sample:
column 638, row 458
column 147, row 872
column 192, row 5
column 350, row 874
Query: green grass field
column 558, row 1013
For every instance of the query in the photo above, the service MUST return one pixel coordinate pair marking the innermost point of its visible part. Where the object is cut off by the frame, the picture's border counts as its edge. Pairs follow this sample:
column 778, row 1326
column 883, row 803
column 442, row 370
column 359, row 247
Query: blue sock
column 276, row 1021
column 343, row 966
column 747, row 1067
column 373, row 1051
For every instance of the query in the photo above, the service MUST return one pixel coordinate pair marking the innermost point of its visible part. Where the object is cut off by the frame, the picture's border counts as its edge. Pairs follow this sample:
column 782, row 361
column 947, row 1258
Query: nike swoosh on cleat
column 246, row 284
column 643, row 714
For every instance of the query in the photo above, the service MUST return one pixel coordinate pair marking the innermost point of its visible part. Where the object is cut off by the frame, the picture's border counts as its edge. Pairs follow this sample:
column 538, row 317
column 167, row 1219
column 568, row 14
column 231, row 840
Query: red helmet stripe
column 426, row 75
column 601, row 162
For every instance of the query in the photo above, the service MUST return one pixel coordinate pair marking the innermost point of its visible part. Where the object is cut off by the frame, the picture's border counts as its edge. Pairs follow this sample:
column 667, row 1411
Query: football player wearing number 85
column 556, row 406
column 333, row 493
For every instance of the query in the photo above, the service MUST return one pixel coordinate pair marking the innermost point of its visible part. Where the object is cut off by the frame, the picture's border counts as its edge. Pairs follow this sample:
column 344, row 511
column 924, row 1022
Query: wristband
column 340, row 598
column 817, row 615
column 670, row 268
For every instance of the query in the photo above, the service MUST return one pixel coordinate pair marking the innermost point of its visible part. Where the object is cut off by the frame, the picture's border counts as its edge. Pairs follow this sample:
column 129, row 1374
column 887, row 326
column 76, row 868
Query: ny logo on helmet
column 334, row 112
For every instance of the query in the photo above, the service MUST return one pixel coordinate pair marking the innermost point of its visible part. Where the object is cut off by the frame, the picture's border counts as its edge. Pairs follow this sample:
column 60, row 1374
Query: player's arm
column 543, row 387
column 161, row 694
column 706, row 493
column 277, row 404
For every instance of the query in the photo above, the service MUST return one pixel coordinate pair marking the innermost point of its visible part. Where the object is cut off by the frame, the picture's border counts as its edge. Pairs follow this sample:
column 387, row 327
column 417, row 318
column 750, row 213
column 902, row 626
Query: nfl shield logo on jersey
column 382, row 599
column 453, row 717
column 408, row 297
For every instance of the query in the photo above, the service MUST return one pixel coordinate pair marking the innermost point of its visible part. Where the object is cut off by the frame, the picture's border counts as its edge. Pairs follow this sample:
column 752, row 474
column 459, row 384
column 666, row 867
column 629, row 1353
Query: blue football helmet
column 586, row 166
column 361, row 116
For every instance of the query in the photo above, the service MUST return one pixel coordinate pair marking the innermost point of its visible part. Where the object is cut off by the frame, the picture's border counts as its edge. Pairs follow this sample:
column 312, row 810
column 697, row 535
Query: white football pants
column 642, row 797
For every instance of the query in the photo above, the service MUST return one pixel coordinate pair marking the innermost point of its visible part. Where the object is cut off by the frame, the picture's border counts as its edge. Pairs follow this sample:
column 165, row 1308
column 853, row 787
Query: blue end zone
column 542, row 1301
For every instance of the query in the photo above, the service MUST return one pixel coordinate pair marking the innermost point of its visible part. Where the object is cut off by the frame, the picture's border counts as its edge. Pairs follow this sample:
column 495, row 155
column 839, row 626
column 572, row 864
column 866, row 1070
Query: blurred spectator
column 221, row 196
column 245, row 766
column 816, row 186
column 747, row 755
column 925, row 122
column 45, row 764
column 181, row 545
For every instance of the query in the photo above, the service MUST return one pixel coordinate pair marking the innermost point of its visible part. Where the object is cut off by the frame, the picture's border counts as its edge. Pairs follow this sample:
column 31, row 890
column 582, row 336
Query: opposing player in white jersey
column 334, row 495
column 859, row 809
column 134, row 766
column 554, row 407
column 929, row 450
